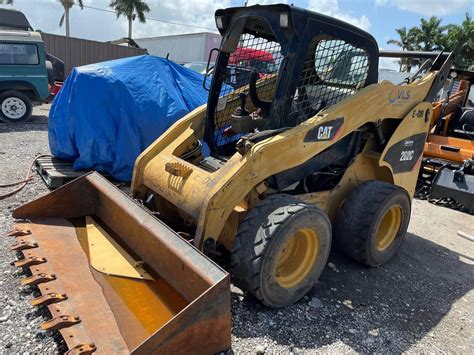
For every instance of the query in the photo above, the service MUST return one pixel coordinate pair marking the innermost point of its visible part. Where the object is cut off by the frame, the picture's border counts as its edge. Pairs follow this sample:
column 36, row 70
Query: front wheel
column 15, row 107
column 280, row 250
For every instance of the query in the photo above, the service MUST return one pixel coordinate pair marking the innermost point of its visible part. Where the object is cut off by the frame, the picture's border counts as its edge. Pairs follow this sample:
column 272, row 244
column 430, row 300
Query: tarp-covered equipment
column 108, row 113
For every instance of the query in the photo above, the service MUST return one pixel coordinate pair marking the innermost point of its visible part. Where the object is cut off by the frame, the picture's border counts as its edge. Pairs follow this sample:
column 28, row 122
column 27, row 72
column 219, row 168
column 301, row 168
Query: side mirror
column 208, row 68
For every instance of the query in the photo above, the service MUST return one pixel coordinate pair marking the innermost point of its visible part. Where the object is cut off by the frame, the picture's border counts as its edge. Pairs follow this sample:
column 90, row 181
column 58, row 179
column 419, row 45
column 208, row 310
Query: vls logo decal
column 398, row 96
column 326, row 131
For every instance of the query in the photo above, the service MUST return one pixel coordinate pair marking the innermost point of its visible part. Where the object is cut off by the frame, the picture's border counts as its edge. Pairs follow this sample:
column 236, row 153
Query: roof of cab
column 299, row 18
column 20, row 36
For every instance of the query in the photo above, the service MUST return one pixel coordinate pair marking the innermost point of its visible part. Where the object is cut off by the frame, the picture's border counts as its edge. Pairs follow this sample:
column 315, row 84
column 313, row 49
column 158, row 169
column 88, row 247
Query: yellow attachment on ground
column 297, row 257
column 388, row 228
column 110, row 258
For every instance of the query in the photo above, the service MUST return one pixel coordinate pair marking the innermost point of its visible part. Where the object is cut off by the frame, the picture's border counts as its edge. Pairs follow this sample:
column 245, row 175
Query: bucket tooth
column 23, row 244
column 29, row 261
column 82, row 349
column 48, row 299
column 37, row 279
column 18, row 232
column 60, row 322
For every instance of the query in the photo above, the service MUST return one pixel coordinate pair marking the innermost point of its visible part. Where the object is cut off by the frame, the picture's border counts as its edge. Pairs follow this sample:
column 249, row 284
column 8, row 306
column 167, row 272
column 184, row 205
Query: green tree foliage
column 460, row 40
column 130, row 9
column 7, row 2
column 431, row 35
column 407, row 42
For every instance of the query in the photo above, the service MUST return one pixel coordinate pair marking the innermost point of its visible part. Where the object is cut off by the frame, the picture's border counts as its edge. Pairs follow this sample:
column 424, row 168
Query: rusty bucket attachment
column 115, row 278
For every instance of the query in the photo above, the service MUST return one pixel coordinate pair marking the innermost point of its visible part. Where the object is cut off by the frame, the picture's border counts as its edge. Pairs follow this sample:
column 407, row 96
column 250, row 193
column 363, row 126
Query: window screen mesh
column 333, row 70
column 252, row 54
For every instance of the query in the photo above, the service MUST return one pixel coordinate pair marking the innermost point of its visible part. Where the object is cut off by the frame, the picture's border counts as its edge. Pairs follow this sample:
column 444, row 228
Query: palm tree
column 460, row 40
column 430, row 34
column 130, row 9
column 407, row 42
column 67, row 4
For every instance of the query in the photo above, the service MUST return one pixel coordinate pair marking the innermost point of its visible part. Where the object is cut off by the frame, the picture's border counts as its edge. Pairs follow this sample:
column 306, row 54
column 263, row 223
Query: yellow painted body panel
column 207, row 199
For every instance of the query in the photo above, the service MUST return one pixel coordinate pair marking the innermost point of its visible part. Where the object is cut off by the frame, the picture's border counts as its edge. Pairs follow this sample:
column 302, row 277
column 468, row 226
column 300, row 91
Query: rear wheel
column 373, row 222
column 280, row 250
column 14, row 107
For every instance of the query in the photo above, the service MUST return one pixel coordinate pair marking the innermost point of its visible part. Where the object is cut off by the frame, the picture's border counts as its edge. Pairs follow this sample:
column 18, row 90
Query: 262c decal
column 407, row 155
column 403, row 155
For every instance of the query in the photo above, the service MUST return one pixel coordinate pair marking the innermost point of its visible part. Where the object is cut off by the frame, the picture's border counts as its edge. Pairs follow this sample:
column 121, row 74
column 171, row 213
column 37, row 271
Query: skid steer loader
column 267, row 177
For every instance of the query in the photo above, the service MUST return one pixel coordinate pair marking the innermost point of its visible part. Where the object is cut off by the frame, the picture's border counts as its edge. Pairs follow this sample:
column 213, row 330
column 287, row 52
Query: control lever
column 241, row 111
column 262, row 104
column 242, row 121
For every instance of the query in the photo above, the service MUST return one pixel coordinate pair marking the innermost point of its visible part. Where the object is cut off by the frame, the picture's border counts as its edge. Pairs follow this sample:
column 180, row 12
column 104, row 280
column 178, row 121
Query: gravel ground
column 421, row 302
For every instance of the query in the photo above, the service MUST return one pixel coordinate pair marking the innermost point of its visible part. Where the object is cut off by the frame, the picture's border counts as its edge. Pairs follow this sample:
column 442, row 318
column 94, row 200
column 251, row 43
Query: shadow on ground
column 386, row 309
column 38, row 122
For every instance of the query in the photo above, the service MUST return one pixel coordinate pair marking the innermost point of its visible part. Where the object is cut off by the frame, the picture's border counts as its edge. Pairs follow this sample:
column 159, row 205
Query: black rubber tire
column 259, row 239
column 359, row 219
column 28, row 105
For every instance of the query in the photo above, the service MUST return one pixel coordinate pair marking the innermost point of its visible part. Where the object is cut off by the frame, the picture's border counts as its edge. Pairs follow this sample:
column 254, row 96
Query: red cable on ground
column 24, row 182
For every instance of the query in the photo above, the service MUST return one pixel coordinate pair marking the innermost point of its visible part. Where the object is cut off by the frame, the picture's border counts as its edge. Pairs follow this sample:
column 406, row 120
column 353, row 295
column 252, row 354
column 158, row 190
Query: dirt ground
column 421, row 302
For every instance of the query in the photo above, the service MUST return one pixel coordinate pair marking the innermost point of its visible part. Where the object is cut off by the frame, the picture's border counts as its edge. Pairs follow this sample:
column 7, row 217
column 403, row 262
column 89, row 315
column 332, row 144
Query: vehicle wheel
column 14, row 107
column 373, row 222
column 280, row 250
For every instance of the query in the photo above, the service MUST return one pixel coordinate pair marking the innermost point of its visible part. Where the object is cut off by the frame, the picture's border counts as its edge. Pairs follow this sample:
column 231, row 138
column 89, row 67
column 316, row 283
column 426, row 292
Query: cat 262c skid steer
column 311, row 153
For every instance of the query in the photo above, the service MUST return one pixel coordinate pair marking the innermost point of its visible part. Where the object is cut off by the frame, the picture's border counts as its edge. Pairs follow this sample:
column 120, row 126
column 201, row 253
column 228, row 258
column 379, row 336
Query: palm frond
column 128, row 8
column 61, row 21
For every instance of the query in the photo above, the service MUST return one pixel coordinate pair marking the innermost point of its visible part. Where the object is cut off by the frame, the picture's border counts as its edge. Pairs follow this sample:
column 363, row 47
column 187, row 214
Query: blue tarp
column 106, row 114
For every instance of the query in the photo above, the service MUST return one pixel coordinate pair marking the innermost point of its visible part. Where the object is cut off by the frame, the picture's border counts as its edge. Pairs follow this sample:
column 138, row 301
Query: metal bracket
column 108, row 257
column 178, row 169
column 29, row 261
column 48, row 299
column 60, row 322
column 37, row 279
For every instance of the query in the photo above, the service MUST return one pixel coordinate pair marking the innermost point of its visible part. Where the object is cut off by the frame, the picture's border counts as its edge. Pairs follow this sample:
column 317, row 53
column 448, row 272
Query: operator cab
column 299, row 63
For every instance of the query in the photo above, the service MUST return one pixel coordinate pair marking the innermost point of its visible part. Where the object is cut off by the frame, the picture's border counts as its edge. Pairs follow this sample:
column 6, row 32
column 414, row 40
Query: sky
column 379, row 17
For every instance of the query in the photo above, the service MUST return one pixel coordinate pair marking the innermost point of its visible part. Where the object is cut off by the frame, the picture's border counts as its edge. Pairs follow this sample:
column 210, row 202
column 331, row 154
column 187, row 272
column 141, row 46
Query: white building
column 184, row 48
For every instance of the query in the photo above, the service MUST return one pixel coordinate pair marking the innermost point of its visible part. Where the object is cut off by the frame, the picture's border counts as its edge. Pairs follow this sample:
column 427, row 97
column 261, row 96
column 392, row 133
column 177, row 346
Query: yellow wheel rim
column 297, row 257
column 388, row 228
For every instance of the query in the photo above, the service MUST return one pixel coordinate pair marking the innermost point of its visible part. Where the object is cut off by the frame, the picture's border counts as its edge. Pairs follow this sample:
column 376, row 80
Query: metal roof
column 299, row 19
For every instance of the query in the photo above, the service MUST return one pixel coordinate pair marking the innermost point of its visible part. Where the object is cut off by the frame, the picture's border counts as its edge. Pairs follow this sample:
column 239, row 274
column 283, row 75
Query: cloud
column 331, row 8
column 103, row 26
column 192, row 12
column 428, row 7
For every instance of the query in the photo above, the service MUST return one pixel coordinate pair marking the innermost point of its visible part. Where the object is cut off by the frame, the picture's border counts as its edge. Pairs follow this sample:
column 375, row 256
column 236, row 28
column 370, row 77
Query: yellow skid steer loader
column 311, row 151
